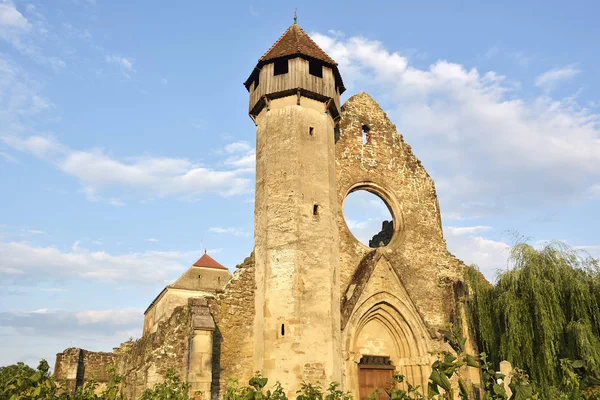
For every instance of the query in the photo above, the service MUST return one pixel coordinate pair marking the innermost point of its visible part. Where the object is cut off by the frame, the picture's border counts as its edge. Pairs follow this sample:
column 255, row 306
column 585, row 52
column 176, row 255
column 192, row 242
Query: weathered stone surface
column 397, row 297
column 386, row 166
column 143, row 362
column 233, row 340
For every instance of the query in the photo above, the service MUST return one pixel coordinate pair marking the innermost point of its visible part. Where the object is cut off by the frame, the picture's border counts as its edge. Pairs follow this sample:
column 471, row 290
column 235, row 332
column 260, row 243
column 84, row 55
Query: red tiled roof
column 295, row 41
column 207, row 261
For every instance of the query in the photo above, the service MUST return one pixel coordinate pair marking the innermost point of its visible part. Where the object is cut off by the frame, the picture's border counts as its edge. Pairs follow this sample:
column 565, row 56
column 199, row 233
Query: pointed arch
column 384, row 320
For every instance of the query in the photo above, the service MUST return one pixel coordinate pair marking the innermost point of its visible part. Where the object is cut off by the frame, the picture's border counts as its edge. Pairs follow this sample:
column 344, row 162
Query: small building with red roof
column 205, row 278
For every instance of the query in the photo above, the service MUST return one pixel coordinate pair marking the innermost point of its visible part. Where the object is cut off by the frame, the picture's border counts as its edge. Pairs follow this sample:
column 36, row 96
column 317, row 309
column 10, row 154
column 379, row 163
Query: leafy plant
column 544, row 308
column 171, row 388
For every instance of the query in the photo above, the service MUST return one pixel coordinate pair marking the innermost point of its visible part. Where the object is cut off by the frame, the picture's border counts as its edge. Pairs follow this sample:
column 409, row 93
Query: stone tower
column 294, row 102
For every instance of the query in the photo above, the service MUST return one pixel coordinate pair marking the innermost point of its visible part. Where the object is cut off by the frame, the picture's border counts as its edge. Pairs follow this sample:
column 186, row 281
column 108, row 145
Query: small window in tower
column 316, row 209
column 311, row 130
column 282, row 329
column 199, row 276
column 315, row 68
column 280, row 67
column 365, row 134
column 219, row 278
column 257, row 81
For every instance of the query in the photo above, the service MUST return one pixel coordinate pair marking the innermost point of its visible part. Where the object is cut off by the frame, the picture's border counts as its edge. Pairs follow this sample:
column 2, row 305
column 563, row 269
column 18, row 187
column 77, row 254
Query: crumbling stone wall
column 233, row 340
column 145, row 361
column 78, row 366
column 142, row 363
column 386, row 166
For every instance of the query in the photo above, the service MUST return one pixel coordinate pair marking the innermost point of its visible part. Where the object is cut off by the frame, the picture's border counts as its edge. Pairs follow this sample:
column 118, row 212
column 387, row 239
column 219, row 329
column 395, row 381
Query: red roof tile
column 295, row 41
column 207, row 261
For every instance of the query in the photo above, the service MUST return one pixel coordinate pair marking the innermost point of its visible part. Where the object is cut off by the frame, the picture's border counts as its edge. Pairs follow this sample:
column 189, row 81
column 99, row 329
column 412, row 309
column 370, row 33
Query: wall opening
column 280, row 67
column 282, row 329
column 316, row 209
column 311, row 130
column 336, row 132
column 257, row 81
column 369, row 218
column 315, row 68
column 365, row 134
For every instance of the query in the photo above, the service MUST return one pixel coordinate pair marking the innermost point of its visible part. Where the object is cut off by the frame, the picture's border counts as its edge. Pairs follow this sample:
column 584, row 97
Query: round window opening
column 368, row 218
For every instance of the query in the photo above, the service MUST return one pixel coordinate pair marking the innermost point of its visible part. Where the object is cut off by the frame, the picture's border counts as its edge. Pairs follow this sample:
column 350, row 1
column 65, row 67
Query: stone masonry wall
column 142, row 363
column 145, row 361
column 233, row 340
column 386, row 166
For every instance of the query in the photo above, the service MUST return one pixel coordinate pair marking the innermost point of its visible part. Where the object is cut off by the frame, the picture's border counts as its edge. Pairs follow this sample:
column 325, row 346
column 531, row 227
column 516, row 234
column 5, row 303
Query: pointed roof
column 295, row 41
column 207, row 261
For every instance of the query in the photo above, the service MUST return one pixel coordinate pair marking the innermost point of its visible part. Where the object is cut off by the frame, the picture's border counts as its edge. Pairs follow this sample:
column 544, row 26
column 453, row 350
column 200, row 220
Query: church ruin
column 311, row 303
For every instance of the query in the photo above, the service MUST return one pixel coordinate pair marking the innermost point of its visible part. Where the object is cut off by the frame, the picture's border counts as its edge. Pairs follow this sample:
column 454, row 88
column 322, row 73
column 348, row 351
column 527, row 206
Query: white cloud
column 35, row 231
column 30, row 265
column 152, row 240
column 467, row 230
column 124, row 316
column 592, row 250
column 7, row 157
column 23, row 33
column 549, row 79
column 125, row 63
column 31, row 335
column 156, row 176
column 12, row 22
column 238, row 147
column 490, row 256
column 228, row 231
column 488, row 149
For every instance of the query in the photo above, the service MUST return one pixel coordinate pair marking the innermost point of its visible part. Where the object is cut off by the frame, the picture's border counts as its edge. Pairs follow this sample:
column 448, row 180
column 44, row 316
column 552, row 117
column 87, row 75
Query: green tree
column 546, row 307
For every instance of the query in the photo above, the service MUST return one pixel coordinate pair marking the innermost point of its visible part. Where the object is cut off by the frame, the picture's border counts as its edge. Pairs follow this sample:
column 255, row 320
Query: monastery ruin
column 311, row 303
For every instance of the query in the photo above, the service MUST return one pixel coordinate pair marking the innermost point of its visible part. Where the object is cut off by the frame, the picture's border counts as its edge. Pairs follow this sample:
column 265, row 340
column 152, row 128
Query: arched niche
column 385, row 325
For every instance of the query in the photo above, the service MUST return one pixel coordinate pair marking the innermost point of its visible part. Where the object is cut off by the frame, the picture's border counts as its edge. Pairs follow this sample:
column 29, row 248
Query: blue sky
column 126, row 149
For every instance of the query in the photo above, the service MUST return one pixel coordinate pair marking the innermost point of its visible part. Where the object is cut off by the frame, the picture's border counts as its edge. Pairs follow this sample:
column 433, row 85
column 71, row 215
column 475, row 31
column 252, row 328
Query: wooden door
column 370, row 379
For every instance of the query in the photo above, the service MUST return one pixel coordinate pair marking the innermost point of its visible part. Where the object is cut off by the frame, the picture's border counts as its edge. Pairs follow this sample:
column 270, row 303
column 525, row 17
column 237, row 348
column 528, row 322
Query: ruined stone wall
column 145, row 361
column 427, row 292
column 78, row 366
column 162, row 308
column 233, row 338
column 142, row 363
column 386, row 166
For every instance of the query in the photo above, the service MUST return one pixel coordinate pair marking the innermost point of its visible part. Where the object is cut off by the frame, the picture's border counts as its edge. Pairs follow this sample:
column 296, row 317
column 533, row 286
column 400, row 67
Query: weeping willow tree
column 545, row 308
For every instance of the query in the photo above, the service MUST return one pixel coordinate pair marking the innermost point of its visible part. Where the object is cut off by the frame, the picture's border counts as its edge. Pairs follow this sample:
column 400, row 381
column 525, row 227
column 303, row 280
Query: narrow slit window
column 280, row 67
column 282, row 329
column 365, row 134
column 311, row 130
column 199, row 276
column 257, row 81
column 316, row 209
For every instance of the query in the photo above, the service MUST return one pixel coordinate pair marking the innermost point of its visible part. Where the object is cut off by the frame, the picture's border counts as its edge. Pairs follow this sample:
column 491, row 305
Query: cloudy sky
column 126, row 149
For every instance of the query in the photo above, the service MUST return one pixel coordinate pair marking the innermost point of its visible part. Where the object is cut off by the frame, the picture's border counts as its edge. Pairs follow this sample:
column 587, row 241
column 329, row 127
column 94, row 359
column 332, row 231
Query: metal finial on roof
column 295, row 15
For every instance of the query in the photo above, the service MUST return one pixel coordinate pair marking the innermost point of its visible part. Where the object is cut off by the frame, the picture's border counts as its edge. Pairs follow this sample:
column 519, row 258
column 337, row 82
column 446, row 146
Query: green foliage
column 546, row 307
column 27, row 383
column 171, row 388
column 309, row 391
column 493, row 382
column 395, row 393
column 254, row 390
column 20, row 382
